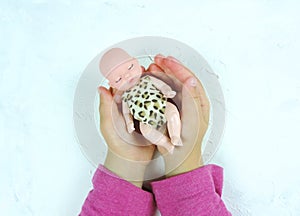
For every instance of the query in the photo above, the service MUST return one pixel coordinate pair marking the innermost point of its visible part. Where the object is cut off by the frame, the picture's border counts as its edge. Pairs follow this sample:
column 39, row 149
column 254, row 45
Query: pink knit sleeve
column 197, row 192
column 114, row 196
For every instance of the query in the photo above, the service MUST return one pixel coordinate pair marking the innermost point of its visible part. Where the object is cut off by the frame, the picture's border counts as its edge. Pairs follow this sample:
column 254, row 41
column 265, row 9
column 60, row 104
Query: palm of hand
column 194, row 108
column 130, row 146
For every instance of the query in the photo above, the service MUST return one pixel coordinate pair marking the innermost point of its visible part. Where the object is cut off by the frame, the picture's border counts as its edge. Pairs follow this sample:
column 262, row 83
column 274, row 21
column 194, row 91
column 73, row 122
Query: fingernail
column 174, row 59
column 192, row 82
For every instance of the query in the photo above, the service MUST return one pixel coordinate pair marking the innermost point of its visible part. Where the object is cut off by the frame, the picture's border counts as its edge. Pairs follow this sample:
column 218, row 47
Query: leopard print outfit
column 146, row 103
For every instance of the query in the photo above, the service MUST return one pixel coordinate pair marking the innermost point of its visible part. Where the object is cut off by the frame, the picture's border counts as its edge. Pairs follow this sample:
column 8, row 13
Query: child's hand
column 128, row 154
column 194, row 108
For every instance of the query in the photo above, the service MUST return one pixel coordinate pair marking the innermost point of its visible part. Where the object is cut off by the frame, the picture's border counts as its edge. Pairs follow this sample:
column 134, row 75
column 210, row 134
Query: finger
column 173, row 66
column 154, row 68
column 198, row 93
column 105, row 99
column 205, row 105
column 204, row 101
column 116, row 94
column 164, row 77
column 158, row 72
column 191, row 104
column 181, row 72
column 158, row 60
column 110, row 119
column 105, row 107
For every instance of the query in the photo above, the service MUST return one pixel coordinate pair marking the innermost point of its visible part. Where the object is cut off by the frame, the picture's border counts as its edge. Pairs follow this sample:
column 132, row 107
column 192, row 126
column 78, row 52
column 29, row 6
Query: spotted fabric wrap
column 146, row 103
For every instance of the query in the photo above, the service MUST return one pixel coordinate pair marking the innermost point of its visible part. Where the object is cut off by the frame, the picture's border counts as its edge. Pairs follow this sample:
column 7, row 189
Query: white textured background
column 45, row 45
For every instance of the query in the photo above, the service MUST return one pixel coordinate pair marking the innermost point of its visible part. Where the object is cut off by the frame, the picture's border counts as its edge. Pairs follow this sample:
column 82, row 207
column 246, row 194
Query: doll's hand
column 117, row 95
column 118, row 99
column 170, row 94
column 194, row 108
column 167, row 91
column 128, row 154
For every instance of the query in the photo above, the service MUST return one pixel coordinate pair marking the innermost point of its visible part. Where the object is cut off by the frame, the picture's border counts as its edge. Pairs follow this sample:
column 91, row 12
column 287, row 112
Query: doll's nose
column 126, row 75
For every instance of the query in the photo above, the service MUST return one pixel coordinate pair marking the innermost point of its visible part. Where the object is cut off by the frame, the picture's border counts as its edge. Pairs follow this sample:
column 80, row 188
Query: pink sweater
column 197, row 192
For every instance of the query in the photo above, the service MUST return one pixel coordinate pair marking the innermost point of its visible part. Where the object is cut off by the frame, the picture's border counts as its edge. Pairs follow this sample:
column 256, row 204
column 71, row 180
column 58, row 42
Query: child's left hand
column 128, row 154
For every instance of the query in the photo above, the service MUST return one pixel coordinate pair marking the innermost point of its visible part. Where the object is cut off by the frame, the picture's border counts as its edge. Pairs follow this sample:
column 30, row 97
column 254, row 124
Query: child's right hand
column 194, row 110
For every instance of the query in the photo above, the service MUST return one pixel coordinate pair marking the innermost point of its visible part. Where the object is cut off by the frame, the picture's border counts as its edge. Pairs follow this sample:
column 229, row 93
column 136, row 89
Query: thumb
column 191, row 104
column 172, row 66
column 105, row 106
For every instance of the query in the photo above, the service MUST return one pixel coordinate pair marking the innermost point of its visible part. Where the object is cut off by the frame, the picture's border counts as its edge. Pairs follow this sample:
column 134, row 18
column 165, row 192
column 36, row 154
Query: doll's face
column 125, row 75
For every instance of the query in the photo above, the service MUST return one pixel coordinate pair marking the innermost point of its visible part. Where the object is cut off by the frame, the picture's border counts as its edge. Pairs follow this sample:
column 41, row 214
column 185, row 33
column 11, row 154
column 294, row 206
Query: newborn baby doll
column 144, row 98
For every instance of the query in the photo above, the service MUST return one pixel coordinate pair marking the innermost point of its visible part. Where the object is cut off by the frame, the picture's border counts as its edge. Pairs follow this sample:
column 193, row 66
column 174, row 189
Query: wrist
column 192, row 162
column 184, row 168
column 131, row 171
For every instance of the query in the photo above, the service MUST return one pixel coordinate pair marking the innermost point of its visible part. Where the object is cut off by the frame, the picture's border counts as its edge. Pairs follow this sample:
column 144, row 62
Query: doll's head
column 122, row 70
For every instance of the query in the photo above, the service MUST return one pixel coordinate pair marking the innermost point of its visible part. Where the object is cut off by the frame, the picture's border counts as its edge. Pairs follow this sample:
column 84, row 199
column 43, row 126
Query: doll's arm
column 118, row 96
column 128, row 117
column 163, row 87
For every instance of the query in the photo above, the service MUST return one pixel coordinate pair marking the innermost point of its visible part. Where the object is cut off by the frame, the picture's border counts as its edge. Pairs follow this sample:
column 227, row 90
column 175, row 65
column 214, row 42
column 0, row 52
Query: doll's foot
column 176, row 141
column 167, row 145
column 171, row 149
column 130, row 127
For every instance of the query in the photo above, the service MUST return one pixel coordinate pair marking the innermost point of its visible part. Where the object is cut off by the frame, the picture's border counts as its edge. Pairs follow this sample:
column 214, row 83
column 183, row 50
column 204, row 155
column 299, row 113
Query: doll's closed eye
column 119, row 79
column 130, row 67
